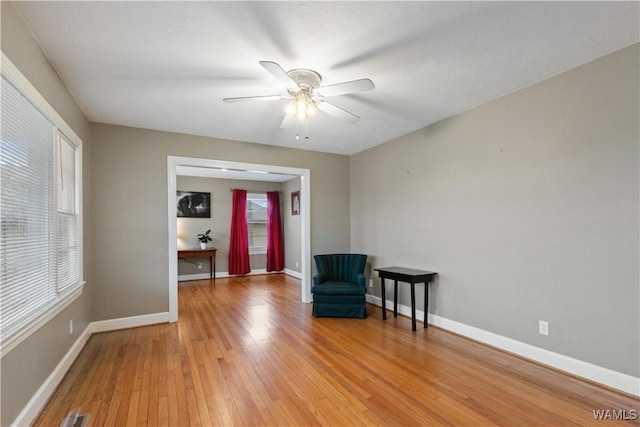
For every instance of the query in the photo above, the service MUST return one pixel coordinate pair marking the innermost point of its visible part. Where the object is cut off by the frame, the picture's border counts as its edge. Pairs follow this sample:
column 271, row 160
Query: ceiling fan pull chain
column 306, row 125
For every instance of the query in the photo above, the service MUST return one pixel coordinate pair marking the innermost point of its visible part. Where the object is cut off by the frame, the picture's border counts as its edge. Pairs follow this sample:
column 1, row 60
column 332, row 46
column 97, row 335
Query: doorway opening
column 175, row 163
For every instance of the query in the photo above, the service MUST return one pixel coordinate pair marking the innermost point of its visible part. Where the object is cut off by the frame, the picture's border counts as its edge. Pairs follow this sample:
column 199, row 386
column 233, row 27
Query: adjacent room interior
column 495, row 145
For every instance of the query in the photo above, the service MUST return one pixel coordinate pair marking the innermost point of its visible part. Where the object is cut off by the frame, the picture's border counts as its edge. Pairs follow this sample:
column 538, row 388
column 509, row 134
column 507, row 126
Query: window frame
column 68, row 294
column 256, row 250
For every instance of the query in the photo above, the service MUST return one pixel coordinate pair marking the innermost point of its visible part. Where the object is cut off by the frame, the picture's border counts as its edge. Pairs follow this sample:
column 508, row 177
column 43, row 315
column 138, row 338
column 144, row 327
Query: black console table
column 407, row 275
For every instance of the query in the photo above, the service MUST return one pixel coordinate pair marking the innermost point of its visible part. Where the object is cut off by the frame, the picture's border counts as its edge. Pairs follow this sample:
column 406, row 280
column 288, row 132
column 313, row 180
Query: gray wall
column 527, row 207
column 26, row 367
column 219, row 223
column 129, row 198
column 292, row 230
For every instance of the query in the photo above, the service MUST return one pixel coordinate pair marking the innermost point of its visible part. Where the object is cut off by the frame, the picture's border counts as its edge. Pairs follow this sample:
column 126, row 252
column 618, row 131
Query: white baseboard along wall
column 223, row 274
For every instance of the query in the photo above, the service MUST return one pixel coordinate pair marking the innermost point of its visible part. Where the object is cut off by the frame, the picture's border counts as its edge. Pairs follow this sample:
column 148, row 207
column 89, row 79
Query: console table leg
column 413, row 306
column 384, row 299
column 426, row 305
column 395, row 298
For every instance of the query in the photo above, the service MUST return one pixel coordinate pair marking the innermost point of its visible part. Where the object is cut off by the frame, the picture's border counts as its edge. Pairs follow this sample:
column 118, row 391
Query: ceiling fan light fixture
column 307, row 96
column 301, row 107
column 312, row 110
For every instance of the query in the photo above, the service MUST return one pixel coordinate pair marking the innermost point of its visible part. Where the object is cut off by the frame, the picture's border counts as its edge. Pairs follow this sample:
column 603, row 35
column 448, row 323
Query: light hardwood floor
column 246, row 351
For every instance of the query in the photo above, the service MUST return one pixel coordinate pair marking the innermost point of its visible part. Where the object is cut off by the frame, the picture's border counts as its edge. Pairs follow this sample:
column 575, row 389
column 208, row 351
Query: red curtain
column 275, row 245
column 239, row 240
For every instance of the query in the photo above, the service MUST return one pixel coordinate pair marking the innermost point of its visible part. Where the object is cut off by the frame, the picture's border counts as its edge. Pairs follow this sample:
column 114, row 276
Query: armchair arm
column 318, row 279
column 360, row 279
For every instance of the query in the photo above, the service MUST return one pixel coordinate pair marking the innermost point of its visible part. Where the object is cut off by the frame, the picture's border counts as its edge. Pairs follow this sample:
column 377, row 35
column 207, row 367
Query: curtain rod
column 253, row 191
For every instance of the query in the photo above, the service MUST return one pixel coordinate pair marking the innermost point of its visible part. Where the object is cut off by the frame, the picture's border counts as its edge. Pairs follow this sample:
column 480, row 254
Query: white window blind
column 257, row 222
column 39, row 222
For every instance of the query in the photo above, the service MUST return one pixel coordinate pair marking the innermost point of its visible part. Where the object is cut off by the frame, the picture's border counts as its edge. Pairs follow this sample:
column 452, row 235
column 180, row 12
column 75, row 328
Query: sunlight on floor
column 259, row 326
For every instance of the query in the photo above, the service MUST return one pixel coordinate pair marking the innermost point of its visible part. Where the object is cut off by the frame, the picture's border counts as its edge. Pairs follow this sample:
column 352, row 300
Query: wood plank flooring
column 246, row 351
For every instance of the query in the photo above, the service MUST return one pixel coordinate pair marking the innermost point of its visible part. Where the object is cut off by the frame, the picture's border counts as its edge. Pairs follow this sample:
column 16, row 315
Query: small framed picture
column 295, row 203
column 192, row 204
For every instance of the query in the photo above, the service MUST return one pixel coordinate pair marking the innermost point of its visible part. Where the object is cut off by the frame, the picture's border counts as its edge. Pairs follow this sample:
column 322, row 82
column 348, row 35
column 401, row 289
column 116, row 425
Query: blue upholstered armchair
column 339, row 288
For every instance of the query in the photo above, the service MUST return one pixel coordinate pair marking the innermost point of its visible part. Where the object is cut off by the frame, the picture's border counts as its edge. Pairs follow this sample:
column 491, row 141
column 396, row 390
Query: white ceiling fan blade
column 345, row 88
column 255, row 98
column 337, row 112
column 280, row 74
column 287, row 121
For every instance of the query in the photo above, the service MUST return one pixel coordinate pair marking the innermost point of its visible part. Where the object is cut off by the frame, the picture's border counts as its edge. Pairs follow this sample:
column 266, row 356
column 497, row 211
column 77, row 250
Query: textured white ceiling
column 167, row 65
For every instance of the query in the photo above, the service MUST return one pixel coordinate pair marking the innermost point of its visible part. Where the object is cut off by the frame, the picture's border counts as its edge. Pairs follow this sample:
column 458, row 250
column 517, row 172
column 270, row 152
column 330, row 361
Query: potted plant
column 204, row 239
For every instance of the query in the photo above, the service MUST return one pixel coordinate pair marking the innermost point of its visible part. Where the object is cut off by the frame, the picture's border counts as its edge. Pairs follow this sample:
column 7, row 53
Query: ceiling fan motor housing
column 305, row 78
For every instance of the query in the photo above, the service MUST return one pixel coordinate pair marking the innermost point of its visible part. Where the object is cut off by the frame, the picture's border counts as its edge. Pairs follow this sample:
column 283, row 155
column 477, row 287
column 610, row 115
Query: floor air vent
column 75, row 419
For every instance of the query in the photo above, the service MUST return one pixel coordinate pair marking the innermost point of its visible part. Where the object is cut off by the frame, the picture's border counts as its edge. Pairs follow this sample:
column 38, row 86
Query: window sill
column 12, row 341
column 257, row 251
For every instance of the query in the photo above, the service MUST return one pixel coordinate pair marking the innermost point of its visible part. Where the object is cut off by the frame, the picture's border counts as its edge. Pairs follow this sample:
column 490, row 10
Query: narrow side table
column 410, row 276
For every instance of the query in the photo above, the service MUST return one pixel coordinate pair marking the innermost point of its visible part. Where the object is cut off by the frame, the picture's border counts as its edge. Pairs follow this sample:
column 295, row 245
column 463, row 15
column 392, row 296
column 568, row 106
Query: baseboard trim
column 200, row 276
column 607, row 377
column 129, row 322
column 223, row 274
column 293, row 273
column 29, row 413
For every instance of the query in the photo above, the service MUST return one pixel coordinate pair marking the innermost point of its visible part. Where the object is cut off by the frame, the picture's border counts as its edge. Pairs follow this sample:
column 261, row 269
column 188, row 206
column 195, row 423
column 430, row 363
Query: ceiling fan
column 307, row 96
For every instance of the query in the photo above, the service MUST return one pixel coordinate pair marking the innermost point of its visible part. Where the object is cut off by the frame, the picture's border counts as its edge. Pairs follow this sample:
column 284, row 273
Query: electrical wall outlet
column 199, row 265
column 296, row 264
column 371, row 283
column 543, row 327
column 71, row 327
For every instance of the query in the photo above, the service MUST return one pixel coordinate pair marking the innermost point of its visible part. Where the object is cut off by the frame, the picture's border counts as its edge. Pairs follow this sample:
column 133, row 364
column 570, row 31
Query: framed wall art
column 295, row 203
column 193, row 204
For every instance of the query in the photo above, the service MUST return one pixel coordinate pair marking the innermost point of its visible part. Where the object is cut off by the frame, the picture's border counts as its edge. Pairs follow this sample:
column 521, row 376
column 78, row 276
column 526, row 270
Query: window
column 40, row 222
column 257, row 223
column 67, row 232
